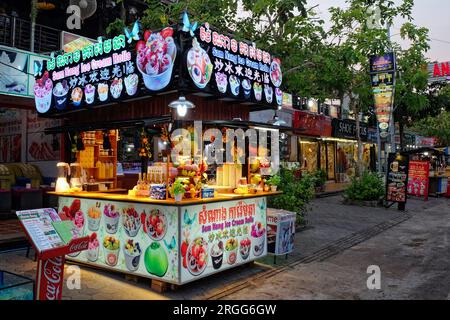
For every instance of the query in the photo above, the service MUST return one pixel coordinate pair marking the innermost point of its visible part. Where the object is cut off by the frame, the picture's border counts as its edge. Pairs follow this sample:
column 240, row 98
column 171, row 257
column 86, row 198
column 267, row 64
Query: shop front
column 344, row 135
column 315, row 152
column 160, row 194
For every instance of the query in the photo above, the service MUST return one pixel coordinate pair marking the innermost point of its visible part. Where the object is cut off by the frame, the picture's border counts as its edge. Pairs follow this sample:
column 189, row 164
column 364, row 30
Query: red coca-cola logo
column 78, row 246
column 53, row 273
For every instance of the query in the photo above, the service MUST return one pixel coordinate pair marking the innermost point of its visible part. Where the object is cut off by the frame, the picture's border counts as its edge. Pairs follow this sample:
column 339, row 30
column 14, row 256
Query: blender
column 61, row 182
column 75, row 175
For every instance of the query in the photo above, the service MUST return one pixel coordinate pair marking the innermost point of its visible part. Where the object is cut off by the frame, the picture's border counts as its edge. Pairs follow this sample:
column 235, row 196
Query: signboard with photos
column 144, row 62
column 382, row 73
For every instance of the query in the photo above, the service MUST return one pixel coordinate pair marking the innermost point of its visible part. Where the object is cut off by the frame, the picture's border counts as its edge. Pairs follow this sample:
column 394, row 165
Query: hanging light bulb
column 181, row 105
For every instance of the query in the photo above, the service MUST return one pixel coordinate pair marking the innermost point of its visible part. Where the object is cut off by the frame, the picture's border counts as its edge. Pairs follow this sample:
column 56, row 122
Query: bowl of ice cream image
column 221, row 81
column 131, row 84
column 89, row 93
column 268, row 92
column 258, row 234
column 279, row 96
column 156, row 58
column 93, row 248
column 245, row 247
column 247, row 86
column 116, row 88
column 77, row 96
column 60, row 94
column 199, row 65
column 217, row 255
column 102, row 90
column 132, row 252
column 275, row 72
column 43, row 93
column 112, row 217
column 231, row 247
column 111, row 247
column 257, row 89
column 234, row 85
column 131, row 221
column 93, row 217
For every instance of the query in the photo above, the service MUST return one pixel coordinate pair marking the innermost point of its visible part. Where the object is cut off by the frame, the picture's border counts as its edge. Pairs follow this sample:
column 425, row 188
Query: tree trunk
column 360, row 146
column 401, row 129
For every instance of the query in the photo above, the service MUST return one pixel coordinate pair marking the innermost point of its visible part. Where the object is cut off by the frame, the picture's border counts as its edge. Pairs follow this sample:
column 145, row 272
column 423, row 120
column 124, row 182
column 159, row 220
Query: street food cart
column 182, row 217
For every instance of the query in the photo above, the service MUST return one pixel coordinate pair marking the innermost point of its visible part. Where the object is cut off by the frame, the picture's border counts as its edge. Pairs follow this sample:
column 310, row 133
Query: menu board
column 418, row 181
column 397, row 178
column 39, row 227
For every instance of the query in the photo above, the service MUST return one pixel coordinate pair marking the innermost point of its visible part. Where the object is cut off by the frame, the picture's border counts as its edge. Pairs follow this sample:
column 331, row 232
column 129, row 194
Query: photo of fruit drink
column 131, row 84
column 131, row 221
column 116, row 88
column 155, row 225
column 268, row 92
column 111, row 218
column 279, row 96
column 102, row 90
column 60, row 94
column 197, row 256
column 77, row 96
column 258, row 233
column 89, row 93
column 234, row 85
column 94, row 217
column 231, row 246
column 247, row 86
column 257, row 89
column 132, row 252
column 245, row 247
column 156, row 57
column 275, row 72
column 221, row 81
column 199, row 65
column 93, row 248
column 217, row 255
column 111, row 247
column 43, row 93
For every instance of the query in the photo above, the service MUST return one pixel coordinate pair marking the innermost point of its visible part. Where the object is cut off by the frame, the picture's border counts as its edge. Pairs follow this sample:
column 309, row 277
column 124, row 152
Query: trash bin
column 15, row 287
column 280, row 231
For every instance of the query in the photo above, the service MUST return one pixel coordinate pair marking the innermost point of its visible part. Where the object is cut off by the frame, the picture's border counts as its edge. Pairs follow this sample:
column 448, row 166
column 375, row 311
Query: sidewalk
column 334, row 228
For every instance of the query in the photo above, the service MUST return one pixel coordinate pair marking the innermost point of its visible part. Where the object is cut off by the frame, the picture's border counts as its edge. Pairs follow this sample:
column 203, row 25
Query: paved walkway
column 330, row 260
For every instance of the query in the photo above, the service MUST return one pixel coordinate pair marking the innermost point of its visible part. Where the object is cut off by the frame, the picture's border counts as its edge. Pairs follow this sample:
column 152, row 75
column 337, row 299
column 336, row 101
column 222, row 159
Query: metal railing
column 16, row 32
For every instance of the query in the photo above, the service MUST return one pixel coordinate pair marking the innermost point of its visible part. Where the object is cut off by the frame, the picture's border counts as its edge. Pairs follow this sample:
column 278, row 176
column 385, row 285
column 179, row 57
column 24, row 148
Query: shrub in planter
column 319, row 177
column 297, row 193
column 368, row 187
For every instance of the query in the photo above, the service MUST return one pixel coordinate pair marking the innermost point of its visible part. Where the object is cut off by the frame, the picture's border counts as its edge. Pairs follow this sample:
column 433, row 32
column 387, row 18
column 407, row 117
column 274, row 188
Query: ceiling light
column 181, row 105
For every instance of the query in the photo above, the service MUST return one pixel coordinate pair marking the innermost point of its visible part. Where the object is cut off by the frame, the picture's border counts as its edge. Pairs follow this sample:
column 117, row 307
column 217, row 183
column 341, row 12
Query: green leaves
column 368, row 187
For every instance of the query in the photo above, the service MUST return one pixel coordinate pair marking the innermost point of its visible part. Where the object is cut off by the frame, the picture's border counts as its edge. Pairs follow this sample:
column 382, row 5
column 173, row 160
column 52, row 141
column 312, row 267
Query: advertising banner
column 222, row 235
column 397, row 178
column 418, row 180
column 346, row 129
column 132, row 238
column 382, row 73
column 16, row 71
column 280, row 232
column 438, row 72
column 144, row 62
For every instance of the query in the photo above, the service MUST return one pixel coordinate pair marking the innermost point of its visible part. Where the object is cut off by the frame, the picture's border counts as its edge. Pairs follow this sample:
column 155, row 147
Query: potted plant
column 320, row 177
column 178, row 190
column 274, row 182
